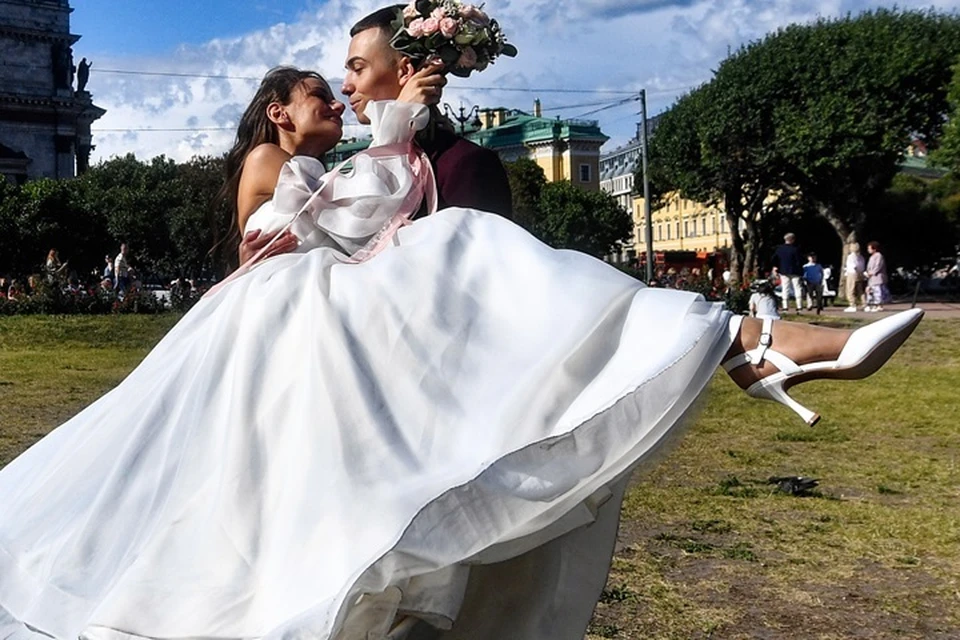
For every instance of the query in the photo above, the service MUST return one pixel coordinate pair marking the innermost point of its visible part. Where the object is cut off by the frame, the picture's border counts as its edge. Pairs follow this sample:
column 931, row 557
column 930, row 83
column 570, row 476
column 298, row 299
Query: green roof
column 521, row 128
column 344, row 150
column 919, row 167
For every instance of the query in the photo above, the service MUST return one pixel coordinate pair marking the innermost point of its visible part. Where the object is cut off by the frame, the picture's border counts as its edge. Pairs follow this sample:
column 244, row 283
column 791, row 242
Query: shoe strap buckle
column 766, row 339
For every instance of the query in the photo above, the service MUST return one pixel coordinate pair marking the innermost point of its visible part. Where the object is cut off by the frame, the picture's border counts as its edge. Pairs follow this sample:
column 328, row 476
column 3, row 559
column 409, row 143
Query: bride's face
column 315, row 115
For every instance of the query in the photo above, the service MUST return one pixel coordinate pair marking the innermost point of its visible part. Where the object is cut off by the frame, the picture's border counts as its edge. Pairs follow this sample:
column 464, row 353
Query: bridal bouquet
column 464, row 37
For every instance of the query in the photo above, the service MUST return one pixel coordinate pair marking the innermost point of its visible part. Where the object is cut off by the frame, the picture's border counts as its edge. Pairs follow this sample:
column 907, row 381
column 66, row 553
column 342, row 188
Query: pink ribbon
column 424, row 187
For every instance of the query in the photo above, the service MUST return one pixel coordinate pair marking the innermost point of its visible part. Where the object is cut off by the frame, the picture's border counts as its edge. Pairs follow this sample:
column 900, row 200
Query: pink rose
column 438, row 14
column 449, row 27
column 430, row 25
column 468, row 58
column 410, row 11
column 415, row 28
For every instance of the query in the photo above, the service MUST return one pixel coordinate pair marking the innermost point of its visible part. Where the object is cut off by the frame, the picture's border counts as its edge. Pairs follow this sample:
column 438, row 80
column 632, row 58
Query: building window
column 584, row 173
column 703, row 226
column 678, row 229
column 686, row 228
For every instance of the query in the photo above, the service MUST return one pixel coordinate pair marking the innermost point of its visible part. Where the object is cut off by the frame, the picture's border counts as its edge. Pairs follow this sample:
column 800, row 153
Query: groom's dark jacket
column 467, row 174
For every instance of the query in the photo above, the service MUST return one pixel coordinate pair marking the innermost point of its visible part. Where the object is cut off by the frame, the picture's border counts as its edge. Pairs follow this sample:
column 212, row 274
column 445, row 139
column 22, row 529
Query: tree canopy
column 563, row 215
column 814, row 116
column 948, row 155
column 163, row 210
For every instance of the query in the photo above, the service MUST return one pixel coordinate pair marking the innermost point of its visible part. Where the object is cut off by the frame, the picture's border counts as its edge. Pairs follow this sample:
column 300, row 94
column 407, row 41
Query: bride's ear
column 277, row 114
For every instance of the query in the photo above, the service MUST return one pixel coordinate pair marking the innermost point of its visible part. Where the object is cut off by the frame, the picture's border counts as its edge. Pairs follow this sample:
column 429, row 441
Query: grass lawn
column 53, row 366
column 707, row 548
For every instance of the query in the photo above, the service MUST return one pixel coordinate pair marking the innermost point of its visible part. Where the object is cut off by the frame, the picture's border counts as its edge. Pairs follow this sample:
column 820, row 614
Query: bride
column 334, row 440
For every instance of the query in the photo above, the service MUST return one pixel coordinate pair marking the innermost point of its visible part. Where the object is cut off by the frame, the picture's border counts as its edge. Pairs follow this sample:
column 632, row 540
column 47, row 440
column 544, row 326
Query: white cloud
column 665, row 46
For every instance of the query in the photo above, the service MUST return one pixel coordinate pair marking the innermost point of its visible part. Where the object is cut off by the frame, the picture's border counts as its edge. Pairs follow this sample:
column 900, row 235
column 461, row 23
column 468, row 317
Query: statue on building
column 83, row 74
column 62, row 66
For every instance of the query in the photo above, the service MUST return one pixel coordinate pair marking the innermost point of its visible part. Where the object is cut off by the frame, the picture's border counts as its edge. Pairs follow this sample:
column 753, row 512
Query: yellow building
column 681, row 225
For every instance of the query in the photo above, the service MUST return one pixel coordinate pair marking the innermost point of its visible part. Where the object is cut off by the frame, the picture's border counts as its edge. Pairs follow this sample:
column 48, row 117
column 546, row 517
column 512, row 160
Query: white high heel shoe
column 866, row 350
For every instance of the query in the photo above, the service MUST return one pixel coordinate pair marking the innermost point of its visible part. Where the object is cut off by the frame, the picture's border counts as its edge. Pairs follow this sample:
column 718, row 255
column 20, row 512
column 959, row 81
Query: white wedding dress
column 323, row 442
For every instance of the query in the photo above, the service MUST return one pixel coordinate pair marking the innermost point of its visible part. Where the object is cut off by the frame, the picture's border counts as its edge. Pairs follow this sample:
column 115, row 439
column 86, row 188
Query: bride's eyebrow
column 353, row 61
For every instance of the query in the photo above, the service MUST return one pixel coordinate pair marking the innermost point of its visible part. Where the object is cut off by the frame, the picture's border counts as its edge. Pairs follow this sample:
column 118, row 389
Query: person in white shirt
column 763, row 304
column 121, row 270
column 853, row 268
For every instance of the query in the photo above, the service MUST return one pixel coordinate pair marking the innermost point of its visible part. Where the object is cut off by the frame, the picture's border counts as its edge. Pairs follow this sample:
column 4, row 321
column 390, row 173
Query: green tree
column 48, row 214
column 812, row 117
column 587, row 221
column 9, row 226
column 199, row 220
column 912, row 224
column 948, row 155
column 527, row 180
column 850, row 94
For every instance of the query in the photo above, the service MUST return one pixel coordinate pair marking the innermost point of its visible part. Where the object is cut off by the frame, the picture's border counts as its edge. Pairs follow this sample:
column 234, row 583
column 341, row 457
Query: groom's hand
column 424, row 86
column 253, row 241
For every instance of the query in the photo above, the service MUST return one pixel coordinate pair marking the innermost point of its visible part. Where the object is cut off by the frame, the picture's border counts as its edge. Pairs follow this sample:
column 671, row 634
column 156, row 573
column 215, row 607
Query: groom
column 467, row 175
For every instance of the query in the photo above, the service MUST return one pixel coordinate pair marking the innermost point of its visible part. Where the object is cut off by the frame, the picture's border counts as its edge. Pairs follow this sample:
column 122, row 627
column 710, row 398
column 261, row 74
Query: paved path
column 933, row 310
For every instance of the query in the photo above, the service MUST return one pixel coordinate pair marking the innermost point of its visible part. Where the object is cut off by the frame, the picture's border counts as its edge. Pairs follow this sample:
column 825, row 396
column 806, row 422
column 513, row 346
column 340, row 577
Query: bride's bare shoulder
column 262, row 161
column 258, row 178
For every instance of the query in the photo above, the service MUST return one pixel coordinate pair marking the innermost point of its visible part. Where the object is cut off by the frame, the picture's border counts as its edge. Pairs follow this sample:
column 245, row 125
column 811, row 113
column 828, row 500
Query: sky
column 584, row 59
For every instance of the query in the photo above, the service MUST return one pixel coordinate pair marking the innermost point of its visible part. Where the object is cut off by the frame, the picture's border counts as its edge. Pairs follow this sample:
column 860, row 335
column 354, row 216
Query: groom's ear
column 405, row 70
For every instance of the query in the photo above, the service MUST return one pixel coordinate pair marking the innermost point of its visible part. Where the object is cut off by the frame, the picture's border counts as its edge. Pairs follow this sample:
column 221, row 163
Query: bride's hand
column 253, row 241
column 424, row 86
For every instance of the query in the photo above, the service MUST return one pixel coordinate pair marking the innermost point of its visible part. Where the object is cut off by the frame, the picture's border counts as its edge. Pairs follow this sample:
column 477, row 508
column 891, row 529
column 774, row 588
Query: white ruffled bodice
column 346, row 210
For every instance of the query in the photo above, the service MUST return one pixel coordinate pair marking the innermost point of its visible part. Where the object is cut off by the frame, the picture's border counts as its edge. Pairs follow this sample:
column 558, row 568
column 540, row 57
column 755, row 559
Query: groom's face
column 373, row 71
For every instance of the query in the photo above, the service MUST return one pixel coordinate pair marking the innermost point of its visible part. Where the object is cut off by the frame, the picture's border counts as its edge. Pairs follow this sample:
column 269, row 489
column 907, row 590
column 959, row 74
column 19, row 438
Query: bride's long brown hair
column 255, row 128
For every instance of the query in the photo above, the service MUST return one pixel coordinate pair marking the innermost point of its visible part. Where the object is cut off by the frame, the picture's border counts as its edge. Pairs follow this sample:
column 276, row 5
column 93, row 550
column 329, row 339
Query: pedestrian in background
column 763, row 304
column 854, row 267
column 787, row 261
column 877, row 291
column 813, row 279
column 121, row 271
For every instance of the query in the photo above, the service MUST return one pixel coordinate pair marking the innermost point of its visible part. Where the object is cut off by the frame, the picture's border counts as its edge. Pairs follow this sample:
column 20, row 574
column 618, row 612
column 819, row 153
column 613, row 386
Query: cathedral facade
column 45, row 110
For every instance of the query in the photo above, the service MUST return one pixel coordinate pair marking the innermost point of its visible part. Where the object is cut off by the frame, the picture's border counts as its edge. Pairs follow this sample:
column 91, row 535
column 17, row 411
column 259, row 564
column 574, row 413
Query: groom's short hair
column 379, row 19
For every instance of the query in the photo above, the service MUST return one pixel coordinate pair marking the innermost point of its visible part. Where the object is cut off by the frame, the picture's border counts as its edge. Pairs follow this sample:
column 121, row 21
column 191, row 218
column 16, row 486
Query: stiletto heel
column 777, row 393
column 867, row 349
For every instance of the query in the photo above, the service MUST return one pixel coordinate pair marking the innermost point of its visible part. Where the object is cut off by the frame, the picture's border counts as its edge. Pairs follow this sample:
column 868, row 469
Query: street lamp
column 472, row 116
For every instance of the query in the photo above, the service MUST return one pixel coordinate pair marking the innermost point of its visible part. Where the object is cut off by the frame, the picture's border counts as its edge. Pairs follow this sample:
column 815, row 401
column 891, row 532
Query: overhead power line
column 144, row 129
column 172, row 74
column 618, row 103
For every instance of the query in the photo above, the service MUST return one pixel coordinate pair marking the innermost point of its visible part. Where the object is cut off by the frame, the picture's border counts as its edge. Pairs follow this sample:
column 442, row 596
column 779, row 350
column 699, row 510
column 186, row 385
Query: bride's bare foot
column 802, row 343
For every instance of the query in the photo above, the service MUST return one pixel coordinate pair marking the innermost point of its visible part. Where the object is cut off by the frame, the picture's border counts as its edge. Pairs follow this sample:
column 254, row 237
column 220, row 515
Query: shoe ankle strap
column 766, row 339
column 757, row 355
